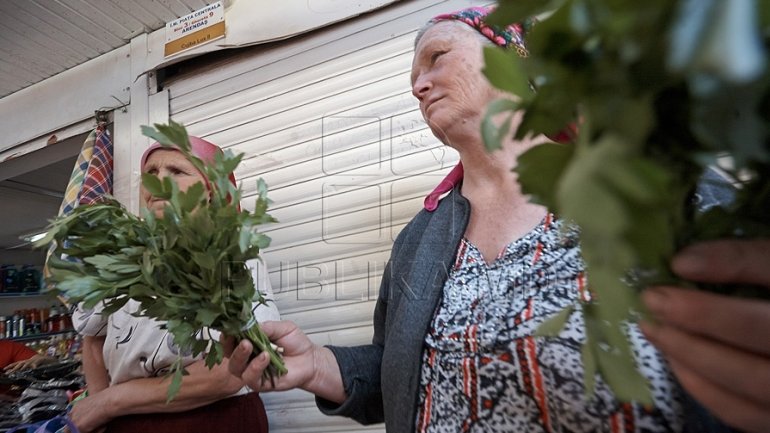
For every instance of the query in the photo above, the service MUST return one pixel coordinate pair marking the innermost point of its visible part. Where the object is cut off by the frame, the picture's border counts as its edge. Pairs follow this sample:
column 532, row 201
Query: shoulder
column 9, row 345
column 258, row 263
column 260, row 273
column 452, row 209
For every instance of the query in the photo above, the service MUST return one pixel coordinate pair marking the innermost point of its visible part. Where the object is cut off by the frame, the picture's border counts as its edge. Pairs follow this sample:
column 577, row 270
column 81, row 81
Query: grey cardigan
column 381, row 379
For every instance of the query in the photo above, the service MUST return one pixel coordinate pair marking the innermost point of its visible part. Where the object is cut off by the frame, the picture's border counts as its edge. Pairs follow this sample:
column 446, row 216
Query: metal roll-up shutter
column 328, row 120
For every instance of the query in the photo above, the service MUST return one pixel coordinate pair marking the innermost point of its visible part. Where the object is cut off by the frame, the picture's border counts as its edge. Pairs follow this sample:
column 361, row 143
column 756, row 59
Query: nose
column 421, row 87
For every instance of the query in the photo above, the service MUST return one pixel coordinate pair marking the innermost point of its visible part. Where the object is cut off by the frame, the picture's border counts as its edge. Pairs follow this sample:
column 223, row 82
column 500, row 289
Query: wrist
column 326, row 380
column 107, row 405
column 91, row 413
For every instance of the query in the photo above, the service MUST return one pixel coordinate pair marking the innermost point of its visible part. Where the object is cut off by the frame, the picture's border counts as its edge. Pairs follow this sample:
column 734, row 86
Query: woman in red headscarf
column 125, row 356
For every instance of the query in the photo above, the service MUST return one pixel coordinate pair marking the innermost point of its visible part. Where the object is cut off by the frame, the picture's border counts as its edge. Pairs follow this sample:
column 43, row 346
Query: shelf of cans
column 27, row 323
column 63, row 345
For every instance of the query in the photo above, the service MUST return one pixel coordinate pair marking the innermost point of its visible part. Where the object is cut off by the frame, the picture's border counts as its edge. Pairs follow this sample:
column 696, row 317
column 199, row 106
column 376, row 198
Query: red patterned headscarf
column 201, row 148
column 512, row 37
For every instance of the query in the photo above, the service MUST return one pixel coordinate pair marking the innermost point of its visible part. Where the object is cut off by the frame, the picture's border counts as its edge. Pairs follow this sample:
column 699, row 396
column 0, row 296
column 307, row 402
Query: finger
column 239, row 358
column 740, row 322
column 733, row 410
column 253, row 375
column 275, row 330
column 16, row 366
column 746, row 374
column 726, row 261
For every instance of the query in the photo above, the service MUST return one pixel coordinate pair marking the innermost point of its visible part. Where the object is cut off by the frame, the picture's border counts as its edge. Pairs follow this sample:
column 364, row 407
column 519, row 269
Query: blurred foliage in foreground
column 660, row 90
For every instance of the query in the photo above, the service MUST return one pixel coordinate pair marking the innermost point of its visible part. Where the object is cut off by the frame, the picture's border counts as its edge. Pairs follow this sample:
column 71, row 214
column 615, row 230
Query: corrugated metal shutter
column 328, row 120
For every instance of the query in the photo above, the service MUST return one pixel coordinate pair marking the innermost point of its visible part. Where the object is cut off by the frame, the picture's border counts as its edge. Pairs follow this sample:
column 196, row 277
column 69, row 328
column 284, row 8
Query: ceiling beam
column 25, row 187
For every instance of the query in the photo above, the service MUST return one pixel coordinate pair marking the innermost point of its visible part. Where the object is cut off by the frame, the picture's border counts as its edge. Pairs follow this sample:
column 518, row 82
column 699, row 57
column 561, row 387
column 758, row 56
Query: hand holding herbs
column 187, row 269
column 718, row 345
column 661, row 90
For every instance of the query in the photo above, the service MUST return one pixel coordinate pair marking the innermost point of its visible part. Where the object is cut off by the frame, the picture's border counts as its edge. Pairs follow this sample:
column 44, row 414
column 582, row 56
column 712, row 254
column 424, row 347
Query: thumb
column 276, row 330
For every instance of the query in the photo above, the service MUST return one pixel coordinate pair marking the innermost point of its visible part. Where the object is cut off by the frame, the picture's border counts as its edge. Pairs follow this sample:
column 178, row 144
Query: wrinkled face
column 169, row 163
column 447, row 79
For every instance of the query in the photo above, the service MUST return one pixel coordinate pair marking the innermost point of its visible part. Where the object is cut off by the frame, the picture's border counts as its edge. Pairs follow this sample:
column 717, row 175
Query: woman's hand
column 718, row 346
column 28, row 364
column 89, row 414
column 310, row 367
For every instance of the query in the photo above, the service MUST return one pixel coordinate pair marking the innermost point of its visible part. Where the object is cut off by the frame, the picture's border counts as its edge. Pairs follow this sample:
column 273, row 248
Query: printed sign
column 198, row 28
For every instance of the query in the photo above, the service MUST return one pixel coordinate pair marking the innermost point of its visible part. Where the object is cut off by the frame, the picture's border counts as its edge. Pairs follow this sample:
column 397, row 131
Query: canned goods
column 21, row 326
column 14, row 326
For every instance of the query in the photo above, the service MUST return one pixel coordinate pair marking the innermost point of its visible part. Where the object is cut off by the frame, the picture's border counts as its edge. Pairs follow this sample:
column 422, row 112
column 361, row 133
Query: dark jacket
column 410, row 291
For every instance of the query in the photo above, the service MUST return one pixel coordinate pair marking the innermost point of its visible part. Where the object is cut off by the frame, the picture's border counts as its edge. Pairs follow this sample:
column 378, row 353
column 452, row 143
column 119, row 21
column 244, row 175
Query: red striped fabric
column 98, row 179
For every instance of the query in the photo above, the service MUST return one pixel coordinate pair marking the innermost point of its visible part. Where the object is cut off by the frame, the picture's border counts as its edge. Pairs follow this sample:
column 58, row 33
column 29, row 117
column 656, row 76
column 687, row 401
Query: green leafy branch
column 187, row 269
column 662, row 91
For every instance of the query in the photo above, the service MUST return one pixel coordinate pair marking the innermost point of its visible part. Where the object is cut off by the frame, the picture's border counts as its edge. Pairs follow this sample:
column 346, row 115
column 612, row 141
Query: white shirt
column 137, row 347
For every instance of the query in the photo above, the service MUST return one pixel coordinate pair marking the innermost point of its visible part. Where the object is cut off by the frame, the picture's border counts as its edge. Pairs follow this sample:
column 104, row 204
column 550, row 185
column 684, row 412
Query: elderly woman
column 125, row 356
column 469, row 281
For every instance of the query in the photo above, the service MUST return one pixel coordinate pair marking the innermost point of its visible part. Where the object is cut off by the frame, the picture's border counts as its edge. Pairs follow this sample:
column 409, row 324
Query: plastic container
column 29, row 279
column 44, row 322
column 53, row 319
column 9, row 327
column 10, row 278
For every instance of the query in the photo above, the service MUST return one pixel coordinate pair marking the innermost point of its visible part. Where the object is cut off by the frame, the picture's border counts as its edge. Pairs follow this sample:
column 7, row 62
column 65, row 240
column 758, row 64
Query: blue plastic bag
column 54, row 425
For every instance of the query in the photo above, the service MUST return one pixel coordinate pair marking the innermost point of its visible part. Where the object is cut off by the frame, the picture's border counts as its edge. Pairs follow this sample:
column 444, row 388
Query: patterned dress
column 484, row 371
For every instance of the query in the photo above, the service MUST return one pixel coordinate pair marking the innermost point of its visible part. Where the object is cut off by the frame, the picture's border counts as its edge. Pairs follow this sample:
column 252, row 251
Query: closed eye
column 435, row 55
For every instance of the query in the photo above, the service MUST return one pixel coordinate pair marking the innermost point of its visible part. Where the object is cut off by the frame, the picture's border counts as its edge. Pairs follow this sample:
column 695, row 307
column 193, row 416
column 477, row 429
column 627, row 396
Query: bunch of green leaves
column 660, row 90
column 187, row 269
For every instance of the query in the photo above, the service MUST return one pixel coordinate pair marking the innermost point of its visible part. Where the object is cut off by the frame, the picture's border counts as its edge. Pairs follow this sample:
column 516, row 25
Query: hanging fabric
column 78, row 174
column 91, row 177
column 98, row 178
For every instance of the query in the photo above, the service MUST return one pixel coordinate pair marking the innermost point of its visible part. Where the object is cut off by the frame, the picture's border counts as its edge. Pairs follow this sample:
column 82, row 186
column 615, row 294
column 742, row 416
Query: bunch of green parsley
column 660, row 90
column 187, row 269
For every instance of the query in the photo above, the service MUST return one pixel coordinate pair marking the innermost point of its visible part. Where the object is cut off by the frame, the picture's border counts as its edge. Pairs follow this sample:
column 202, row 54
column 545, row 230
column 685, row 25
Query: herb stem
column 261, row 343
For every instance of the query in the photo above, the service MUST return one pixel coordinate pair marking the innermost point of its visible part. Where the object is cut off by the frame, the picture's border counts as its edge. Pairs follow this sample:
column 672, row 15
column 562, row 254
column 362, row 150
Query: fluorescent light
column 36, row 237
column 29, row 238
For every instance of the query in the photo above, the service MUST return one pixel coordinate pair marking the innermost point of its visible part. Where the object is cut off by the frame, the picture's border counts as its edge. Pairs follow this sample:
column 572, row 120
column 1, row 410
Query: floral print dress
column 484, row 371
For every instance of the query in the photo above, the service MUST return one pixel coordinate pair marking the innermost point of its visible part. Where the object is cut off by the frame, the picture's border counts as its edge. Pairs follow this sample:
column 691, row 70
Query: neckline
column 536, row 232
